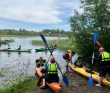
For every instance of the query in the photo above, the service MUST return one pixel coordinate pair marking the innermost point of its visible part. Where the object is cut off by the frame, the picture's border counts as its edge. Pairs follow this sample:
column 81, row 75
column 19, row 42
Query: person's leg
column 99, row 82
column 43, row 85
column 67, row 62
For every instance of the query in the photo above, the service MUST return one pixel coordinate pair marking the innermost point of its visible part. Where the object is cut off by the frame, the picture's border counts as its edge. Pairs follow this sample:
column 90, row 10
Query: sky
column 36, row 15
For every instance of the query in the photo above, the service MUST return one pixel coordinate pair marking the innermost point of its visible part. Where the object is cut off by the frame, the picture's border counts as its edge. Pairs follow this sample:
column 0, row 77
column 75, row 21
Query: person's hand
column 93, row 57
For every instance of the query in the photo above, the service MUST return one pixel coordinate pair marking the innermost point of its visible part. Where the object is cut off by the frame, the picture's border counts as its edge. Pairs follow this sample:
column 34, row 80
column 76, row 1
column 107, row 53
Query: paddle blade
column 58, row 39
column 65, row 80
column 98, row 44
column 95, row 37
column 90, row 81
column 43, row 38
column 40, row 80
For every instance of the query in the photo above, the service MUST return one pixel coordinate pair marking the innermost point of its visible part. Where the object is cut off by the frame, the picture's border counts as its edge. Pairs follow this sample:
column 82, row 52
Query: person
column 51, row 46
column 52, row 75
column 9, row 46
column 79, row 63
column 20, row 47
column 104, row 60
column 68, row 56
column 40, row 62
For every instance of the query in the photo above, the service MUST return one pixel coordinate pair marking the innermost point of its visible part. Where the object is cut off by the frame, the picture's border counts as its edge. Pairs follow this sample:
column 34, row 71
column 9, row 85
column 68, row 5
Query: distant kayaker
column 52, row 75
column 9, row 46
column 68, row 56
column 20, row 47
column 104, row 60
column 79, row 63
column 40, row 62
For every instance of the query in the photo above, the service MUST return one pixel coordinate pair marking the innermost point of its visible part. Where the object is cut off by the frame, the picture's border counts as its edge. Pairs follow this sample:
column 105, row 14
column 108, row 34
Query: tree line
column 24, row 32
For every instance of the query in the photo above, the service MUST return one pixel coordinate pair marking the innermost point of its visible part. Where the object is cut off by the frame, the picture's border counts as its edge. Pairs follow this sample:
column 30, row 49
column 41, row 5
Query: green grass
column 65, row 44
column 26, row 86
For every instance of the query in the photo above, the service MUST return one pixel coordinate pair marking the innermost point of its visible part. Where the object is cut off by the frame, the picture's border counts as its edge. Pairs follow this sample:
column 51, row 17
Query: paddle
column 95, row 38
column 98, row 44
column 43, row 38
column 64, row 77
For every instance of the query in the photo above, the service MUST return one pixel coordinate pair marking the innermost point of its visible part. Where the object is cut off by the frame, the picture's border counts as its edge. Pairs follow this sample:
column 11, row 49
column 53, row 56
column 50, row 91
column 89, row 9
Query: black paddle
column 64, row 77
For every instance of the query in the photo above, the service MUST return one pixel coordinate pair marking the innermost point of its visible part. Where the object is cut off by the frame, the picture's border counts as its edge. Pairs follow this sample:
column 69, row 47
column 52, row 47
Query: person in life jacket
column 79, row 63
column 19, row 48
column 40, row 62
column 52, row 75
column 68, row 56
column 9, row 46
column 104, row 60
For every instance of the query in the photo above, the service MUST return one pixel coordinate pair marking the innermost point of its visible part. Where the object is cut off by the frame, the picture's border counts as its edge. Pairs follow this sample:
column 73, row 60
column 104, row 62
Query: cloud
column 34, row 11
column 37, row 11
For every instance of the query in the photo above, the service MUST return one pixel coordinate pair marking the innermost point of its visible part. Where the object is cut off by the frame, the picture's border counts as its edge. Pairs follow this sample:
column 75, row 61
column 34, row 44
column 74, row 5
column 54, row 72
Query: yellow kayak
column 82, row 71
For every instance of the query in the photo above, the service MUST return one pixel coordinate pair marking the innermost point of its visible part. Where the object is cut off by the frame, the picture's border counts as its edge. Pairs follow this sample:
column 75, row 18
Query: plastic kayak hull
column 54, row 86
column 43, row 49
column 16, row 50
column 95, row 75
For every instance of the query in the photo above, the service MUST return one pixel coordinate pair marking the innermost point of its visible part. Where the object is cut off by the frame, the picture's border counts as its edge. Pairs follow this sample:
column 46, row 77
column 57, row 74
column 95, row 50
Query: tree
column 94, row 19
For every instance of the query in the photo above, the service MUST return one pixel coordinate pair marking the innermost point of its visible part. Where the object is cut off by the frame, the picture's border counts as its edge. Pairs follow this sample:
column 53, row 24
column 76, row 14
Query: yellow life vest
column 52, row 69
column 105, row 56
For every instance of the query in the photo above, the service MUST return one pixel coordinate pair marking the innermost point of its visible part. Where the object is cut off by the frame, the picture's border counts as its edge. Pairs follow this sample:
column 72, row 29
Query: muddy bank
column 77, row 84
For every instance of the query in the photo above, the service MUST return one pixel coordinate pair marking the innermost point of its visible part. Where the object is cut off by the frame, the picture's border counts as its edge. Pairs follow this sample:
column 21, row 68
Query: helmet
column 52, row 59
column 40, row 58
column 101, row 49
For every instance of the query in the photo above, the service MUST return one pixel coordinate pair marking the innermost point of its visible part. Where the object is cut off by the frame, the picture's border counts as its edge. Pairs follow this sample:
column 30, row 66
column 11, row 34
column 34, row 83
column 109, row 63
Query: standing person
column 20, row 47
column 52, row 75
column 104, row 60
column 40, row 62
column 68, row 56
column 9, row 46
column 79, row 63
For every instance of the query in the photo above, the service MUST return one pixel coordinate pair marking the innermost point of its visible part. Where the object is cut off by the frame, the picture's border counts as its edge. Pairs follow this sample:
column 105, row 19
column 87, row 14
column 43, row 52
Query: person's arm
column 98, row 59
column 58, row 64
column 45, row 65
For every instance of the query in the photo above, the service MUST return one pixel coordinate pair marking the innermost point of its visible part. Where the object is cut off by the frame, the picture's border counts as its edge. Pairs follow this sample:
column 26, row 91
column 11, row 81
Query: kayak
column 85, row 72
column 43, row 49
column 54, row 86
column 16, row 50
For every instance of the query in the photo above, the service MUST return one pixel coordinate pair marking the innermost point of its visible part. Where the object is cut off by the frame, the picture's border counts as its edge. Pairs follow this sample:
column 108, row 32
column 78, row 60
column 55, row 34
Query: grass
column 65, row 44
column 26, row 86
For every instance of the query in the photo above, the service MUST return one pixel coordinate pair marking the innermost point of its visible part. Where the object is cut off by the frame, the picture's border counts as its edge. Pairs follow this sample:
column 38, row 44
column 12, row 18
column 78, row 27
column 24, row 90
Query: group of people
column 52, row 69
column 19, row 48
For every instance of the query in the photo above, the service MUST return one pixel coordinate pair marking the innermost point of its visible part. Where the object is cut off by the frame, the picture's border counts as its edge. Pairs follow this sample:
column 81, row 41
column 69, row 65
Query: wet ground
column 77, row 84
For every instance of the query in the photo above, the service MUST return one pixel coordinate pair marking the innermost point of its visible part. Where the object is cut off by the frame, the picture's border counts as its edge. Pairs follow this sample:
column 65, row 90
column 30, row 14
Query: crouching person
column 52, row 75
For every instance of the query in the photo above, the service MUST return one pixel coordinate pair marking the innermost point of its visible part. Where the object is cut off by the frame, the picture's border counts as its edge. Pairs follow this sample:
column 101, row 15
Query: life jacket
column 79, row 64
column 68, row 52
column 9, row 47
column 52, row 69
column 40, row 63
column 20, row 48
column 105, row 56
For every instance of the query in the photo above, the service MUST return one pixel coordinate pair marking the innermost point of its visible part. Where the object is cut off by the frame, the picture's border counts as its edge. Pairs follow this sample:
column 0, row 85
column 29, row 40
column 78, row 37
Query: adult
column 68, row 56
column 104, row 60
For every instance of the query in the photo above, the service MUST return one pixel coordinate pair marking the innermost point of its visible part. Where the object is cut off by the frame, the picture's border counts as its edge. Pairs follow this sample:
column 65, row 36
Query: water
column 14, row 63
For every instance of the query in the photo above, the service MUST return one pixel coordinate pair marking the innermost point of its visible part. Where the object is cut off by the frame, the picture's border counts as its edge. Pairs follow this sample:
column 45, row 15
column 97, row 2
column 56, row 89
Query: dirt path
column 77, row 84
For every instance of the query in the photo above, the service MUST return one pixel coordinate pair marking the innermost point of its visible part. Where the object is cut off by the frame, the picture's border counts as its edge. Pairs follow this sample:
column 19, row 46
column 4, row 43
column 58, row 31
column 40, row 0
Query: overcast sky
column 37, row 15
